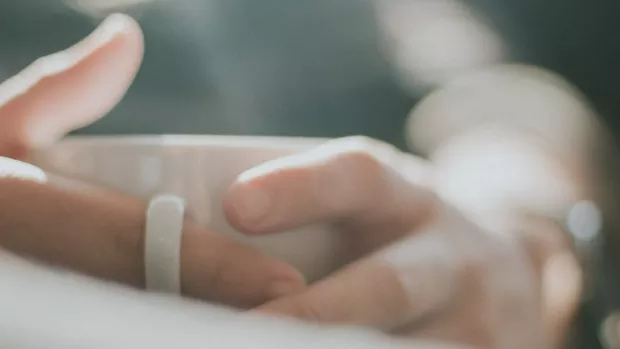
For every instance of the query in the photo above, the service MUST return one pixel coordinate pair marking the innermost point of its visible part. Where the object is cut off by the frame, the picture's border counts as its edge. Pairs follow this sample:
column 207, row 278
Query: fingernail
column 114, row 24
column 250, row 204
column 284, row 288
column 107, row 31
column 111, row 27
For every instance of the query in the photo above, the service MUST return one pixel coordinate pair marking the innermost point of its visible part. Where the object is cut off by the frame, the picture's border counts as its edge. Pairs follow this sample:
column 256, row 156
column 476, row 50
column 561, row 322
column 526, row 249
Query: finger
column 69, row 89
column 100, row 233
column 399, row 285
column 355, row 179
column 218, row 269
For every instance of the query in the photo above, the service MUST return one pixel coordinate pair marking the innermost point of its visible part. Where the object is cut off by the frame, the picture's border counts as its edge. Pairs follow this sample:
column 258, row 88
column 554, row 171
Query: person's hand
column 92, row 230
column 426, row 269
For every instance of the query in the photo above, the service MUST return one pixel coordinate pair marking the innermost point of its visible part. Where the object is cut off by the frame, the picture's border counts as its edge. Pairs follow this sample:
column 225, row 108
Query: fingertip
column 112, row 59
column 117, row 26
column 246, row 205
column 86, row 81
column 130, row 32
column 272, row 197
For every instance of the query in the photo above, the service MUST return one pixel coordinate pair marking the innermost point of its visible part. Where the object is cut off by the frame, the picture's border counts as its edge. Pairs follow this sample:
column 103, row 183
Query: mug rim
column 221, row 141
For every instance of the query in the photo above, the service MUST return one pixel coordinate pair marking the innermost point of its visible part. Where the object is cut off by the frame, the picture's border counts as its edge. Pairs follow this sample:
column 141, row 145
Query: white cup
column 199, row 169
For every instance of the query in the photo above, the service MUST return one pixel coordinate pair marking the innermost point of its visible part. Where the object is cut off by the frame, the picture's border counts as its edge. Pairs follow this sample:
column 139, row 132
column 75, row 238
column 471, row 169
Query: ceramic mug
column 199, row 169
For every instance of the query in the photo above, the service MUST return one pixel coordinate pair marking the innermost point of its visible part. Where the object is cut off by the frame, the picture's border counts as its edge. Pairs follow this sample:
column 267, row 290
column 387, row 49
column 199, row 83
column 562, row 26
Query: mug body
column 199, row 169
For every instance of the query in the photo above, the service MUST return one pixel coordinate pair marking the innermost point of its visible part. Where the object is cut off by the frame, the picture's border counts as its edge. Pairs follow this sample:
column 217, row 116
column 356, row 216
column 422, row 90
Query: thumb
column 69, row 89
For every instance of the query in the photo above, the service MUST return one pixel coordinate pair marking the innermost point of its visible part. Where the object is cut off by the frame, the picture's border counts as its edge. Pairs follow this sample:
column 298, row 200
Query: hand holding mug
column 96, row 231
column 415, row 264
column 419, row 265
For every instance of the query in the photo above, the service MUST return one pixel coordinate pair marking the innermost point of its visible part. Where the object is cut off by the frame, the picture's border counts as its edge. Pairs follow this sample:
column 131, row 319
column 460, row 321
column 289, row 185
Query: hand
column 418, row 266
column 92, row 230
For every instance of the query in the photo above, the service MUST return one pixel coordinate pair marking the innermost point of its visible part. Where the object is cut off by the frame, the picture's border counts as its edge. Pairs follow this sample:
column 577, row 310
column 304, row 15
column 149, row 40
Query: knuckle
column 352, row 171
column 361, row 162
column 355, row 172
column 365, row 154
column 364, row 144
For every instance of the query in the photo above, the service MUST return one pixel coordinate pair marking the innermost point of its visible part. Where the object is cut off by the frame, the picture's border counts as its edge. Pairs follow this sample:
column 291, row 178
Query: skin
column 420, row 267
column 95, row 231
column 421, row 263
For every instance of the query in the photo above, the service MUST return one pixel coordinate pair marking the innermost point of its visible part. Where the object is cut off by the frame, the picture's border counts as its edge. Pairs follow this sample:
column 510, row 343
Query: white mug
column 199, row 169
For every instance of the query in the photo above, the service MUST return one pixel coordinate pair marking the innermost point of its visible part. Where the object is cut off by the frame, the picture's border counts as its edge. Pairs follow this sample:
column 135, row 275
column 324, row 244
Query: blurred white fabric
column 52, row 309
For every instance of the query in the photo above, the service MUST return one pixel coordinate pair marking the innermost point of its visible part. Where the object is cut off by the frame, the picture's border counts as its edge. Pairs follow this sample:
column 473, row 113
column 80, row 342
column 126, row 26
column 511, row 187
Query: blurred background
column 322, row 67
column 326, row 68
